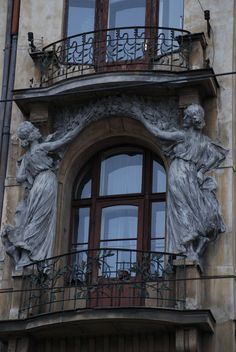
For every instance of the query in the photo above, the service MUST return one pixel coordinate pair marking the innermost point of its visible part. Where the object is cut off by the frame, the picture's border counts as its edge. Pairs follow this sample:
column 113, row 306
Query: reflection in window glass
column 171, row 13
column 120, row 221
column 121, row 174
column 120, row 44
column 81, row 226
column 158, row 237
column 81, row 16
column 158, row 220
column 158, row 178
column 158, row 245
column 83, row 187
column 79, row 50
column 126, row 13
column 170, row 16
column 81, row 236
column 119, row 228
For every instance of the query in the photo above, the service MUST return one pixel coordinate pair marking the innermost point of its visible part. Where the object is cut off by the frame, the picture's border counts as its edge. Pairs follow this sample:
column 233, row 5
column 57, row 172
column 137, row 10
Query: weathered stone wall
column 44, row 19
column 3, row 18
column 218, row 294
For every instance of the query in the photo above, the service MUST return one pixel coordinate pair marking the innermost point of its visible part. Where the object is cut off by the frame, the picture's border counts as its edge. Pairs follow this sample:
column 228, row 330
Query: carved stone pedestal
column 18, row 345
column 188, row 290
column 188, row 283
column 187, row 340
column 16, row 296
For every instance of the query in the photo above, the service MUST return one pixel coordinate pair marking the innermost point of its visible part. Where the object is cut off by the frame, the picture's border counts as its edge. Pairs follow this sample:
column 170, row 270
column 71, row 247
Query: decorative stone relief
column 193, row 214
column 162, row 112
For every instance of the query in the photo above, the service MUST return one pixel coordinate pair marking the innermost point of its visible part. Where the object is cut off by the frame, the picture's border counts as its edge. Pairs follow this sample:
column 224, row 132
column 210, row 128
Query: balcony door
column 127, row 33
column 110, row 33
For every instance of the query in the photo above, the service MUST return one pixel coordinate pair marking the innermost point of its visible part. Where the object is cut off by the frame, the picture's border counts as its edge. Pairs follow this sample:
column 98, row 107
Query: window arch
column 119, row 201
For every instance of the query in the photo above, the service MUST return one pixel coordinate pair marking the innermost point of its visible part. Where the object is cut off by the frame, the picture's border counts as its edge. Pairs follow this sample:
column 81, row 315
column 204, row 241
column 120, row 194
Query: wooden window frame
column 100, row 26
column 101, row 14
column 143, row 200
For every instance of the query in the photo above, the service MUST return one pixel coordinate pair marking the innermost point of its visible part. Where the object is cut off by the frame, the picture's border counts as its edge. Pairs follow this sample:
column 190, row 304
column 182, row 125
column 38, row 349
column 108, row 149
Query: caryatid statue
column 32, row 237
column 193, row 212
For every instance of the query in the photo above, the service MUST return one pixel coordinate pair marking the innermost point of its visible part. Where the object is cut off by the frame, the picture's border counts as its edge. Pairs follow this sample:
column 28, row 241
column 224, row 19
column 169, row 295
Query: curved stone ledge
column 82, row 87
column 109, row 321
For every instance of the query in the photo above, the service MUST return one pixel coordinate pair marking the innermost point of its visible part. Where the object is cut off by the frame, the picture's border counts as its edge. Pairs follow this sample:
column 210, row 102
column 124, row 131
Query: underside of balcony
column 80, row 89
column 109, row 321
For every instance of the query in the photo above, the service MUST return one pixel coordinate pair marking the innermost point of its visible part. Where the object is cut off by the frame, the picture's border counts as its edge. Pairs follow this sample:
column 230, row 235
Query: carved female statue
column 32, row 237
column 193, row 214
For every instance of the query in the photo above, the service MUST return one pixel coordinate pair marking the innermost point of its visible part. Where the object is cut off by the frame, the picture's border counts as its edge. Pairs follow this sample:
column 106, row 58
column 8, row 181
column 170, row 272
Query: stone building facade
column 114, row 234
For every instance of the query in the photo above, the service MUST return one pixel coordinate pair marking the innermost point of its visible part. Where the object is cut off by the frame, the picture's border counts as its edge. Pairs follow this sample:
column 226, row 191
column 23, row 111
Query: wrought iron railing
column 126, row 48
column 102, row 278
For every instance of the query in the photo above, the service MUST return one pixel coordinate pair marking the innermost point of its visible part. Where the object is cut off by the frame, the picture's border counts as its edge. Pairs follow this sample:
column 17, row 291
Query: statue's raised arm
column 172, row 136
column 64, row 140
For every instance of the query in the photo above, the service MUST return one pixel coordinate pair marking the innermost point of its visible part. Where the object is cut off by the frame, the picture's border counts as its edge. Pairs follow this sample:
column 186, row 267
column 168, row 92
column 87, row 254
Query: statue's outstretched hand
column 200, row 177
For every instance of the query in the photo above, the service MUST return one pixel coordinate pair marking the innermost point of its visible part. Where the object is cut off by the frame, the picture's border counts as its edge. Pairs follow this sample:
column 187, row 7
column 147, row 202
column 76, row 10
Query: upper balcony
column 115, row 50
column 125, row 58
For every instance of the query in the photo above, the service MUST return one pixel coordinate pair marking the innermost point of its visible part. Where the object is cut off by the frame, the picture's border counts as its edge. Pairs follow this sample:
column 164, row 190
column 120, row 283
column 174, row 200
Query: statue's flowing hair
column 197, row 109
column 27, row 132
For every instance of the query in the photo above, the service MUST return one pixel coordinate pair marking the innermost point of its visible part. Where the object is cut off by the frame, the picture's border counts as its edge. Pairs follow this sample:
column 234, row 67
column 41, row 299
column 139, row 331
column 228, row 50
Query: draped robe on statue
column 192, row 208
column 37, row 227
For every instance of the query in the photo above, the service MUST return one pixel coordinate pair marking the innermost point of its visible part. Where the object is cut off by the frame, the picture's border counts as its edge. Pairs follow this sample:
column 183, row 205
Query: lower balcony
column 103, row 278
column 106, row 300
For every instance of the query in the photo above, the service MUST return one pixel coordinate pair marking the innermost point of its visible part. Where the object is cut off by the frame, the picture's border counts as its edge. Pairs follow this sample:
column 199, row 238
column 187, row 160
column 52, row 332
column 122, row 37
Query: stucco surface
column 3, row 17
column 45, row 19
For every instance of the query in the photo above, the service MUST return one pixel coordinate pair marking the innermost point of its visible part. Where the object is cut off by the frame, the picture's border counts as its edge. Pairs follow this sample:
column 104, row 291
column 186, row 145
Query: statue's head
column 194, row 116
column 27, row 133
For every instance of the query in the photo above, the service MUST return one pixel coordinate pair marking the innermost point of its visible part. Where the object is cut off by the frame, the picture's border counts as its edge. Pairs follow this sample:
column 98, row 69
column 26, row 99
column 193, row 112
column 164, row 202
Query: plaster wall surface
column 220, row 255
column 3, row 18
column 44, row 19
column 220, row 52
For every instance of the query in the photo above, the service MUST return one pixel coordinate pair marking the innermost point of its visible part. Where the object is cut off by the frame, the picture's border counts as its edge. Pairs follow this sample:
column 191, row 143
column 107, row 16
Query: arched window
column 119, row 202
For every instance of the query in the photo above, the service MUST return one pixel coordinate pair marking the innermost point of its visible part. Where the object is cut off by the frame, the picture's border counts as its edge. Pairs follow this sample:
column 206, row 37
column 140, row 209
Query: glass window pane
column 158, row 178
column 158, row 245
column 120, row 221
column 81, row 233
column 126, row 13
column 81, row 15
column 158, row 220
column 121, row 173
column 86, row 190
column 171, row 13
column 121, row 42
column 83, row 187
column 124, row 243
